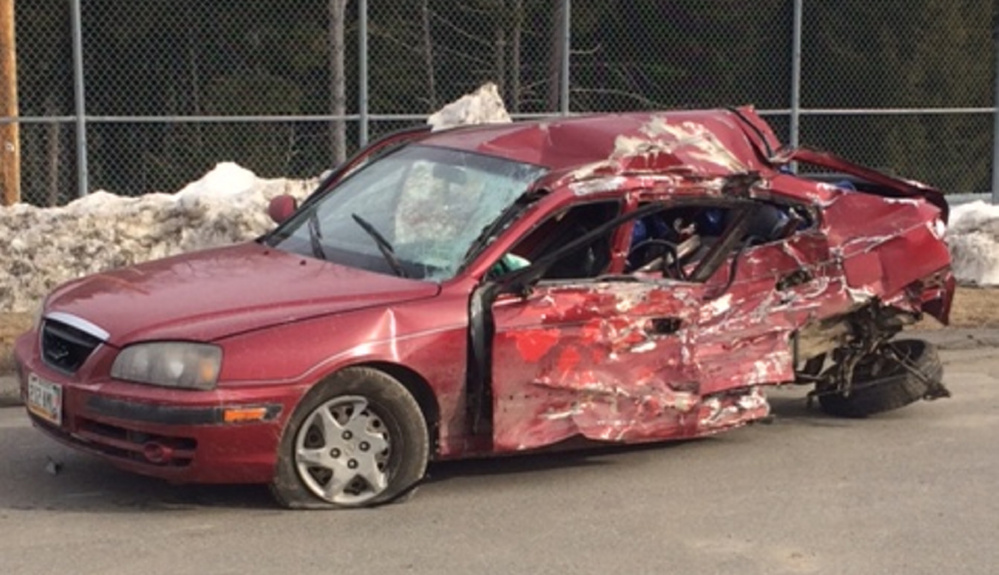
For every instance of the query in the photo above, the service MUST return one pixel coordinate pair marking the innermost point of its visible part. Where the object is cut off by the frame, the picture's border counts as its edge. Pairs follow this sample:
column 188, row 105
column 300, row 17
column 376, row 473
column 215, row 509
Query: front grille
column 129, row 444
column 65, row 347
column 121, row 443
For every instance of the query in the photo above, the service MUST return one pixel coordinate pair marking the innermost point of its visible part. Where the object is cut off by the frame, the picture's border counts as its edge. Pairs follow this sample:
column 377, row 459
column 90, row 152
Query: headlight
column 170, row 364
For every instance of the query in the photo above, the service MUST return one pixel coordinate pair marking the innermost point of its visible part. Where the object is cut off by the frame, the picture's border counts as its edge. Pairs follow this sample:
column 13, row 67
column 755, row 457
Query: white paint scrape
column 973, row 239
column 483, row 106
column 694, row 139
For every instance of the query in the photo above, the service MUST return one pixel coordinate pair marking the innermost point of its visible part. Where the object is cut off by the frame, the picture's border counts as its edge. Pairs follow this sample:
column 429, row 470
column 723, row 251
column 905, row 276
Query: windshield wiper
column 315, row 235
column 383, row 245
column 499, row 224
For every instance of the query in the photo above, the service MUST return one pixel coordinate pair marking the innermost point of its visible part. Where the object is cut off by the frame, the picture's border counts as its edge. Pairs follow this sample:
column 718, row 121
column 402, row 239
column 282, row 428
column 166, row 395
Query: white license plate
column 45, row 399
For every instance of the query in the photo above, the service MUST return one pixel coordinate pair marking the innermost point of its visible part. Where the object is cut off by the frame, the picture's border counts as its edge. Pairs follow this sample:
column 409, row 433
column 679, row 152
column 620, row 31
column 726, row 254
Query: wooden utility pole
column 10, row 148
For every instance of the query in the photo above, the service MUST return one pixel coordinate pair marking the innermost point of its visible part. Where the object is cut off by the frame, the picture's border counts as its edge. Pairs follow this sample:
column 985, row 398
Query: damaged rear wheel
column 357, row 439
column 904, row 372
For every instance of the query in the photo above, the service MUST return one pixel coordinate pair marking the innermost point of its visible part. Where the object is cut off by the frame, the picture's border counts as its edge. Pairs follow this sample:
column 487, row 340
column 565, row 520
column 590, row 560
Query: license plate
column 45, row 399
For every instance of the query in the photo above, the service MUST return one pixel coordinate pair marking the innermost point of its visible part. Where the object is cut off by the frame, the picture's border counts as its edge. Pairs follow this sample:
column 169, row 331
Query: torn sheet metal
column 627, row 361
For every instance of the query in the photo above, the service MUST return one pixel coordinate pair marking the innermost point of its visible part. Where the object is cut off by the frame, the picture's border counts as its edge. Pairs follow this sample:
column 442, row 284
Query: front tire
column 357, row 439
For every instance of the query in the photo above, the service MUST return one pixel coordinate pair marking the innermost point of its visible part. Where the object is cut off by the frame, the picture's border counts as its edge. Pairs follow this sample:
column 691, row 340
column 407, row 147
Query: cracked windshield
column 413, row 213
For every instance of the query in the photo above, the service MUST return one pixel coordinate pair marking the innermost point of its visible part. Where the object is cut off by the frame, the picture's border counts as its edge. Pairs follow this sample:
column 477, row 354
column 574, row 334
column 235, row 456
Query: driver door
column 636, row 357
column 607, row 360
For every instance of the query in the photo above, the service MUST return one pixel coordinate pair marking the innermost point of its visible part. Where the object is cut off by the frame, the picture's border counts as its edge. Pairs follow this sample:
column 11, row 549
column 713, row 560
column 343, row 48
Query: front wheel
column 357, row 439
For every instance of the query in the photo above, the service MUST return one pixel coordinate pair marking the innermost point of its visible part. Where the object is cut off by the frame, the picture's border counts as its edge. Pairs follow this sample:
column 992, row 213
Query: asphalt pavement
column 910, row 492
column 10, row 393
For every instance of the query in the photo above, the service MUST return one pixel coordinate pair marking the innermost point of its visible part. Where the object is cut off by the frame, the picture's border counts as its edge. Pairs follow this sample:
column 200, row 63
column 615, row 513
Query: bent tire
column 357, row 439
column 882, row 384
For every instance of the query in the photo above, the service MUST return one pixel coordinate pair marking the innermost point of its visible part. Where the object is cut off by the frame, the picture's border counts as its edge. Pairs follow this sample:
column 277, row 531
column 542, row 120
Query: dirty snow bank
column 483, row 106
column 973, row 237
column 45, row 247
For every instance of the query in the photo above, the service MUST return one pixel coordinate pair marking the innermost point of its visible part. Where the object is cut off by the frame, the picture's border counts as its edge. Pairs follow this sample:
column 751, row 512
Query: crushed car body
column 493, row 289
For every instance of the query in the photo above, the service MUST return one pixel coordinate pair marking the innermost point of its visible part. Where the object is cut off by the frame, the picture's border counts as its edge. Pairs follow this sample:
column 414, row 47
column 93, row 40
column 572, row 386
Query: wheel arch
column 415, row 383
column 419, row 388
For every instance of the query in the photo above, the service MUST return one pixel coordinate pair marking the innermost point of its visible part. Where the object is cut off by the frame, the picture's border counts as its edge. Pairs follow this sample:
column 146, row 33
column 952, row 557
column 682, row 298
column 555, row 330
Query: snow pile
column 46, row 247
column 483, row 106
column 973, row 238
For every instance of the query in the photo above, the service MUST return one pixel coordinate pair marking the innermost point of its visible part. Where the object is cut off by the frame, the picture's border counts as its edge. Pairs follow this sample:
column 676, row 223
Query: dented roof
column 706, row 141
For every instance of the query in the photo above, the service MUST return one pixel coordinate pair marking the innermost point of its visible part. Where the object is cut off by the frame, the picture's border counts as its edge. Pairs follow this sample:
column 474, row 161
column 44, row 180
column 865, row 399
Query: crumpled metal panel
column 712, row 141
column 651, row 360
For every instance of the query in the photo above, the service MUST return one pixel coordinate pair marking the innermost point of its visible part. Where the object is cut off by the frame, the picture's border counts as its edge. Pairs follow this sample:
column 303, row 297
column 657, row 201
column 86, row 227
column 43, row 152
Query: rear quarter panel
column 886, row 244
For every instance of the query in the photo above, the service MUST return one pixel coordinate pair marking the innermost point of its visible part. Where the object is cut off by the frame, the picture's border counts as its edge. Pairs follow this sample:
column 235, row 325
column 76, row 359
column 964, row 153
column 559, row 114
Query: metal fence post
column 362, row 71
column 81, row 110
column 566, row 33
column 795, row 127
column 995, row 113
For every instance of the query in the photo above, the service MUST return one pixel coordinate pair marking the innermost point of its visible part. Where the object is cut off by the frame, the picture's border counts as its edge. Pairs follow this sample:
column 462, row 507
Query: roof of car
column 714, row 141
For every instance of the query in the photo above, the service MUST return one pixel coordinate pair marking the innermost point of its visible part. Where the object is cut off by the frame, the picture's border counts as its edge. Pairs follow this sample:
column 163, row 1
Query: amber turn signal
column 243, row 414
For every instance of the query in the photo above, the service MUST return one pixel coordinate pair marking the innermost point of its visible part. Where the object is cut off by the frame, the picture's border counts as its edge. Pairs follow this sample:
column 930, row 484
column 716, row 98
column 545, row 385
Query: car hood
column 203, row 296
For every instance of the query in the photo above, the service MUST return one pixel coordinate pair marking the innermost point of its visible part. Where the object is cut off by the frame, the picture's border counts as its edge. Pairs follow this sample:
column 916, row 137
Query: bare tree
column 499, row 48
column 54, row 148
column 194, row 35
column 517, row 38
column 338, row 128
column 428, row 57
column 555, row 57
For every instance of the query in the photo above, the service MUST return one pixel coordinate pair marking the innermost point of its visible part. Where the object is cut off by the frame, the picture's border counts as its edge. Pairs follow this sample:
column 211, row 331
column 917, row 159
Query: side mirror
column 281, row 208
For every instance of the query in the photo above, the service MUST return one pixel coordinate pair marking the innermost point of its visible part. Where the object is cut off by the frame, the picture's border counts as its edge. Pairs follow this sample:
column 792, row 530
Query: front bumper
column 179, row 435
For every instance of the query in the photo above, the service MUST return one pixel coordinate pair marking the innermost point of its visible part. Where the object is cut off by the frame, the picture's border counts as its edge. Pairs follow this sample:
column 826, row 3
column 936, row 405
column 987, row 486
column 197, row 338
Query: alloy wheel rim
column 342, row 451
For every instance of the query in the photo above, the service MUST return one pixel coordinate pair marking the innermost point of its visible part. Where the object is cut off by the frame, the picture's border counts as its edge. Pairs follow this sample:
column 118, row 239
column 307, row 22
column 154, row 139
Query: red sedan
column 494, row 289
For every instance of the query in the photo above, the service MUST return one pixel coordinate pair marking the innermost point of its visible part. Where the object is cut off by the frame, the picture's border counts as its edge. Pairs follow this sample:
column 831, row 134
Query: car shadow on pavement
column 42, row 475
column 49, row 477
column 573, row 453
column 39, row 474
column 790, row 406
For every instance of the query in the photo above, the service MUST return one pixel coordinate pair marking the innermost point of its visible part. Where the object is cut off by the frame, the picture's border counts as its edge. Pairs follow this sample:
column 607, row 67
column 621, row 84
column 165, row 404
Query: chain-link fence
column 165, row 90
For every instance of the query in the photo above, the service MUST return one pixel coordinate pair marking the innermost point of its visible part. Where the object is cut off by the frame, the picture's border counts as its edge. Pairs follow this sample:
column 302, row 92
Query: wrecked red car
column 494, row 289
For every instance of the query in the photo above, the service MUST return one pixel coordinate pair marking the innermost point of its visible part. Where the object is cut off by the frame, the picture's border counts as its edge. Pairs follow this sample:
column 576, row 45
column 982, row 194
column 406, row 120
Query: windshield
column 414, row 212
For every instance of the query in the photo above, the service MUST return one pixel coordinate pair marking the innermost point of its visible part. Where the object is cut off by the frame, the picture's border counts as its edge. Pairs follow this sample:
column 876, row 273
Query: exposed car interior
column 672, row 242
column 678, row 238
column 588, row 260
